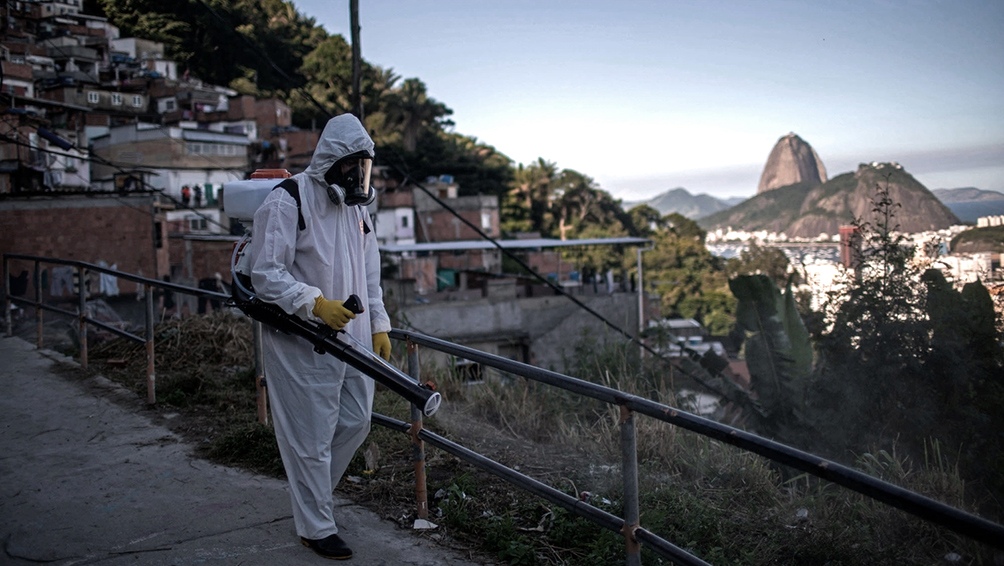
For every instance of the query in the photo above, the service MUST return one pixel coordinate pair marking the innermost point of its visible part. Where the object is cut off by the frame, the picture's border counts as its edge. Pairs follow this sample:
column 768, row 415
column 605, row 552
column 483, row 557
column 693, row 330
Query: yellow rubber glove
column 381, row 345
column 332, row 313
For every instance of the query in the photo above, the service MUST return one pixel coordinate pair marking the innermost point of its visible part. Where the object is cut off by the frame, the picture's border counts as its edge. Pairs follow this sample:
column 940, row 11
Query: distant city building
column 850, row 246
column 174, row 157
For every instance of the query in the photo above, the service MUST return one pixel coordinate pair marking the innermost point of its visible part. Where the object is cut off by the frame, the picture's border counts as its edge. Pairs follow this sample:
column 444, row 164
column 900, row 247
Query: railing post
column 39, row 342
column 151, row 376
column 629, row 471
column 82, row 315
column 6, row 297
column 417, row 444
column 261, row 393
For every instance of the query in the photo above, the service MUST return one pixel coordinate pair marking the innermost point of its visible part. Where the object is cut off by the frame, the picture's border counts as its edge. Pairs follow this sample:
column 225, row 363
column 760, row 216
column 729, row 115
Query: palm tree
column 411, row 111
column 378, row 89
column 531, row 197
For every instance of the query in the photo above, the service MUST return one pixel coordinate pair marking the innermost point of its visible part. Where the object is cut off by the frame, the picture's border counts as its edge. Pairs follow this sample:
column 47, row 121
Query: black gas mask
column 352, row 174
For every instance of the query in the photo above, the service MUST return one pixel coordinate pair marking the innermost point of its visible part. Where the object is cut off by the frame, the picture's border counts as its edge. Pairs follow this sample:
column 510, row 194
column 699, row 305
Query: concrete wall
column 550, row 327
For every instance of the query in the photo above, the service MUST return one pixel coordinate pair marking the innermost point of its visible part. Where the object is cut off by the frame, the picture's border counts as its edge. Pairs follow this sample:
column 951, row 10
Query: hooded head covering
column 343, row 135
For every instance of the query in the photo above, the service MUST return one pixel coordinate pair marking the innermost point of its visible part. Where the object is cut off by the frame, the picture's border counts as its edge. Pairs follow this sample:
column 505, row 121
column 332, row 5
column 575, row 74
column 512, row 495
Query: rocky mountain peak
column 791, row 161
column 808, row 210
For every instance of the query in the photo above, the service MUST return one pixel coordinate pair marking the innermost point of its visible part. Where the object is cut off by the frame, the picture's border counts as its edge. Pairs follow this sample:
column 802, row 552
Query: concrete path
column 84, row 480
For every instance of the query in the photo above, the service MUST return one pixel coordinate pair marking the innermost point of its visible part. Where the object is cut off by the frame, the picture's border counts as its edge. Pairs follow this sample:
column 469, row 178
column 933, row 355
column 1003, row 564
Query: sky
column 647, row 96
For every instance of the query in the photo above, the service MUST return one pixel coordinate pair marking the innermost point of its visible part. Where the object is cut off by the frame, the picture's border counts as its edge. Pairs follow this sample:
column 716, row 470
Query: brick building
column 121, row 230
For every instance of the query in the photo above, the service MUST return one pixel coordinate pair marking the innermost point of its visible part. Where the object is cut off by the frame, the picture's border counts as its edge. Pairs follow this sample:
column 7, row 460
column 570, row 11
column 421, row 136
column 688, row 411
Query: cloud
column 942, row 160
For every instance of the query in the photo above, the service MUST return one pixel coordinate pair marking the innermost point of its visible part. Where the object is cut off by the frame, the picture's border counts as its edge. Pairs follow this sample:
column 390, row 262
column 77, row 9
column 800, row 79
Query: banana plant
column 777, row 350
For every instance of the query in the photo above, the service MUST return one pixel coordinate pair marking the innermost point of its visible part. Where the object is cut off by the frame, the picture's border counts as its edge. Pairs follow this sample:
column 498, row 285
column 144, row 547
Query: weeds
column 722, row 504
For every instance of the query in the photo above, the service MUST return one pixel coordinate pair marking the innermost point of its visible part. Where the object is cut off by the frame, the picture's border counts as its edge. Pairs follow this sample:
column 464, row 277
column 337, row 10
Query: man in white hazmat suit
column 307, row 258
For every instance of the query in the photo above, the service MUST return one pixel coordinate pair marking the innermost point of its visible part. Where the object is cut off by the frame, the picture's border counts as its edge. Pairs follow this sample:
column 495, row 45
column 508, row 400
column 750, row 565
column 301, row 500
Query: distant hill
column 970, row 203
column 966, row 194
column 680, row 200
column 807, row 209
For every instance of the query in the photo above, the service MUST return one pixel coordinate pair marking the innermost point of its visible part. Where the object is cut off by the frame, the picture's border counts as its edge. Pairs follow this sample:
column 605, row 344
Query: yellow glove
column 381, row 345
column 332, row 313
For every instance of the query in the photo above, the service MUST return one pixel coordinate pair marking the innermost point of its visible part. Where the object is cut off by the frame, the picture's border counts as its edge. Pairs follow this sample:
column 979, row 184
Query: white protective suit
column 320, row 407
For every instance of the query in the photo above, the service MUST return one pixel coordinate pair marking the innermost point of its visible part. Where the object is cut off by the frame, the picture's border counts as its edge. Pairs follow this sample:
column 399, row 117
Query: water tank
column 242, row 198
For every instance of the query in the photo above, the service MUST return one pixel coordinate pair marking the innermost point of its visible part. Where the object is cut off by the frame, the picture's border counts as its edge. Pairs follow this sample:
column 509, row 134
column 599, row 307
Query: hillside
column 682, row 202
column 976, row 240
column 806, row 210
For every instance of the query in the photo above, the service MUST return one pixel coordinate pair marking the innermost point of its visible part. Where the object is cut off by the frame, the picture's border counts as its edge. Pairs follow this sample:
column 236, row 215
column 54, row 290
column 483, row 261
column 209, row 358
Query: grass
column 716, row 501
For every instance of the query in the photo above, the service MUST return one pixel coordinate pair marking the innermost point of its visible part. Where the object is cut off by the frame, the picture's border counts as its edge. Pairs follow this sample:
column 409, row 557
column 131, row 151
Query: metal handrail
column 928, row 509
column 120, row 274
column 83, row 320
column 964, row 523
column 574, row 505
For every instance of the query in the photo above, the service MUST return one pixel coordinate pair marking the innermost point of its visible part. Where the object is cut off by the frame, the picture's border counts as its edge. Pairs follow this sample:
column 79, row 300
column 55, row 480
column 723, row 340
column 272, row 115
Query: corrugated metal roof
column 534, row 243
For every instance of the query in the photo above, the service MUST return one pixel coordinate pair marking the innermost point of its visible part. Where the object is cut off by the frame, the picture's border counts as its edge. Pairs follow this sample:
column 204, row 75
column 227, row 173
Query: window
column 404, row 221
column 486, row 221
column 169, row 105
column 207, row 148
column 116, row 99
column 137, row 101
column 197, row 223
column 93, row 97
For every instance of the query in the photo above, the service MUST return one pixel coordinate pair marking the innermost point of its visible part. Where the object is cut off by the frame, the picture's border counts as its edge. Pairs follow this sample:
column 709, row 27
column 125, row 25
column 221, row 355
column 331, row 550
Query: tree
column 769, row 261
column 966, row 368
column 527, row 206
column 222, row 41
column 646, row 220
column 578, row 201
column 691, row 282
column 411, row 112
column 377, row 87
column 477, row 168
column 905, row 358
column 328, row 70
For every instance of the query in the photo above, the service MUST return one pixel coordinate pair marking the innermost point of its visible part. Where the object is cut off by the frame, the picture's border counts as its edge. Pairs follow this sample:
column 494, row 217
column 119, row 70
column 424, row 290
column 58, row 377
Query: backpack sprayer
column 241, row 200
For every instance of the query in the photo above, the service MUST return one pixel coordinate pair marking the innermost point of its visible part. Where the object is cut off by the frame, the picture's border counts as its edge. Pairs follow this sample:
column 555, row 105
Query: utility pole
column 357, row 97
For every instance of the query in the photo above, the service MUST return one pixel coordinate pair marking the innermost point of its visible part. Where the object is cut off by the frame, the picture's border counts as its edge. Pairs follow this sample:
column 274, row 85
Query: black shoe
column 331, row 546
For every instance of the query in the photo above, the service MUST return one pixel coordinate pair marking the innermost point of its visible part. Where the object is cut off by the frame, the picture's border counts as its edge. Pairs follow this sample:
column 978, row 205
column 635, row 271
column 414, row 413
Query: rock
column 805, row 210
column 791, row 161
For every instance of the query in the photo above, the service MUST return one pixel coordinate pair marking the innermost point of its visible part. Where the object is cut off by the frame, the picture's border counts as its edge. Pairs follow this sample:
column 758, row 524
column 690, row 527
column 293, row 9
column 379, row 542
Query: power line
column 694, row 356
column 559, row 290
column 93, row 158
